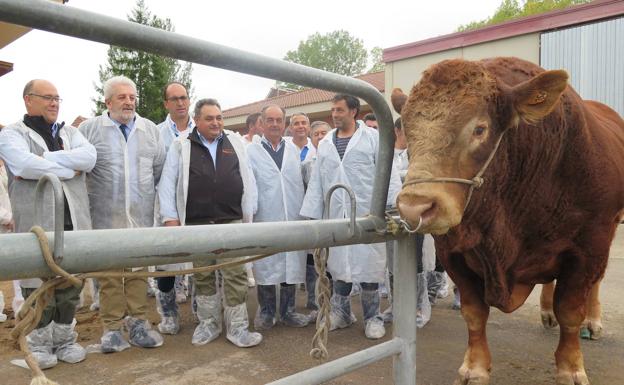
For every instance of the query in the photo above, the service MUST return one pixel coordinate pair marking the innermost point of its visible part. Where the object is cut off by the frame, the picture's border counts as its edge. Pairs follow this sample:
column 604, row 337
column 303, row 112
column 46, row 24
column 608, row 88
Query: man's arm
column 81, row 156
column 23, row 163
column 168, row 186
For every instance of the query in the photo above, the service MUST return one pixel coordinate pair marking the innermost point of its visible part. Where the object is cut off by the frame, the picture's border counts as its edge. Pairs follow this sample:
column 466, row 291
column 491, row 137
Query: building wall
column 405, row 73
column 593, row 55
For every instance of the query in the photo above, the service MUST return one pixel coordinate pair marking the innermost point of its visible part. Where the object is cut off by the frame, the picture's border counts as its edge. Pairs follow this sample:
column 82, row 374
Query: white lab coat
column 353, row 263
column 27, row 159
column 5, row 204
column 173, row 187
column 254, row 139
column 311, row 149
column 122, row 185
column 280, row 195
column 169, row 132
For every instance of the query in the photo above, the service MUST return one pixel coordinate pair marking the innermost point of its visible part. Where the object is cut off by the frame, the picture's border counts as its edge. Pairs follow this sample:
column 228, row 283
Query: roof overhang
column 579, row 14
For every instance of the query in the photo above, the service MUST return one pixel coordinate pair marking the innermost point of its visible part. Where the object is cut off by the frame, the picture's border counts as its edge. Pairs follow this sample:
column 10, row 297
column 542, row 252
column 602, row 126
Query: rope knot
column 478, row 181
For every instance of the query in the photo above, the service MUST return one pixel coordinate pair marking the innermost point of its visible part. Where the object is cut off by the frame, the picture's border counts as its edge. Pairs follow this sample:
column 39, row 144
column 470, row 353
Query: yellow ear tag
column 539, row 98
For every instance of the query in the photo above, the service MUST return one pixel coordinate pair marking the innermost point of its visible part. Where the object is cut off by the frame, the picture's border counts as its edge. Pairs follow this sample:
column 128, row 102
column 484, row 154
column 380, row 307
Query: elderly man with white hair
column 122, row 192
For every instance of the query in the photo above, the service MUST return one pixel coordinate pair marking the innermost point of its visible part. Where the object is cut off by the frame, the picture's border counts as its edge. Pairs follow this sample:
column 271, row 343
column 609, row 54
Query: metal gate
column 82, row 251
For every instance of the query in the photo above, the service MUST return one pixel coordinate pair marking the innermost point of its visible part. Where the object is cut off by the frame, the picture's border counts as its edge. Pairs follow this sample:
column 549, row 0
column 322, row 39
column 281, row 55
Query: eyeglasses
column 175, row 99
column 48, row 98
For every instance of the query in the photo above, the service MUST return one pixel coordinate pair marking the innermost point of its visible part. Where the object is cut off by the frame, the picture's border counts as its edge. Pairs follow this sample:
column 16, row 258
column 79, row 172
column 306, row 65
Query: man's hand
column 76, row 173
column 9, row 227
column 174, row 222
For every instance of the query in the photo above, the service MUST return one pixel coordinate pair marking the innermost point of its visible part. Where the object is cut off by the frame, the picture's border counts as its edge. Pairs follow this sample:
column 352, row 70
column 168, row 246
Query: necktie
column 123, row 129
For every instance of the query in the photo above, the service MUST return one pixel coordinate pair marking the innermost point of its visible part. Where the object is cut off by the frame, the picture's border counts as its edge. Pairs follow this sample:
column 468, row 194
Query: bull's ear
column 537, row 97
column 398, row 99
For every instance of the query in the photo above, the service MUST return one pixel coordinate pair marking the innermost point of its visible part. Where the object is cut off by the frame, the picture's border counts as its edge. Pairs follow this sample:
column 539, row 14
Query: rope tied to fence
column 29, row 315
column 323, row 293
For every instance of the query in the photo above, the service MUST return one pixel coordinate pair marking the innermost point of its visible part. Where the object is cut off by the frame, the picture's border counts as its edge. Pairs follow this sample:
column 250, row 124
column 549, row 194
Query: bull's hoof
column 569, row 378
column 548, row 319
column 472, row 377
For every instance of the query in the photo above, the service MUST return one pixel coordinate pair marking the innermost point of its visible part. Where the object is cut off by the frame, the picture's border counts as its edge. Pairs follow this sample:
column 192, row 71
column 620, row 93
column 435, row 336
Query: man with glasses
column 35, row 146
column 178, row 124
column 122, row 194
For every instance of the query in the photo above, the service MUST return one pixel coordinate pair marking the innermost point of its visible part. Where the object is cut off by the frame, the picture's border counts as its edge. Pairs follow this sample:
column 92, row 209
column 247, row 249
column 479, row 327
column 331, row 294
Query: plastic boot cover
column 180, row 290
column 355, row 289
column 423, row 306
column 457, row 300
column 387, row 315
column 437, row 285
column 237, row 327
column 113, row 341
column 373, row 321
column 288, row 315
column 141, row 334
column 310, row 283
column 265, row 316
column 168, row 310
column 340, row 315
column 209, row 314
column 41, row 345
column 64, row 342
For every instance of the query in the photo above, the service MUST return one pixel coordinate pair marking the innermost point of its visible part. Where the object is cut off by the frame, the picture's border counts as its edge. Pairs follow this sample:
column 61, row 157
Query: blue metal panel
column 593, row 55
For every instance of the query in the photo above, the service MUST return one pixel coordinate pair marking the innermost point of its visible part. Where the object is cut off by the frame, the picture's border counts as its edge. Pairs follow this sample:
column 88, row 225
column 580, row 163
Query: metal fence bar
column 20, row 255
column 343, row 365
column 66, row 20
column 404, row 301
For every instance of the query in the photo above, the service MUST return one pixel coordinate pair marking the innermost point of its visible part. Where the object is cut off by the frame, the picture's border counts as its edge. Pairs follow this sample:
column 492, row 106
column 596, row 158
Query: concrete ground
column 522, row 350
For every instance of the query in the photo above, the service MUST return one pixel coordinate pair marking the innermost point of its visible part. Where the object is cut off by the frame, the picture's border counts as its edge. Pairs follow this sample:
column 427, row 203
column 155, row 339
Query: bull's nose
column 413, row 213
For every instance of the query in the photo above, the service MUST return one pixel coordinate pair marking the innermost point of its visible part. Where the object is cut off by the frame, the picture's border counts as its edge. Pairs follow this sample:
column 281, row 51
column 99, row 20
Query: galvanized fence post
column 404, row 300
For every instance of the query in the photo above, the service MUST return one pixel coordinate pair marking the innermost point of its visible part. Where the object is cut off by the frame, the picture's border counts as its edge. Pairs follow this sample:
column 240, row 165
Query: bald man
column 31, row 148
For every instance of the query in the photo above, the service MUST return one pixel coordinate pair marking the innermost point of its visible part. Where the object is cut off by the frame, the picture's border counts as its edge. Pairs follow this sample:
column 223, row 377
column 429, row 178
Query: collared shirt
column 276, row 154
column 173, row 127
column 211, row 146
column 129, row 126
column 55, row 129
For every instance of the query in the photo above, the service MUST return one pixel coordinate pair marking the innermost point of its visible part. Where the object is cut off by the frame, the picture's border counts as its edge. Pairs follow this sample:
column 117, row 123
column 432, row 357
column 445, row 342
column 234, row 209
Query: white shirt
column 169, row 130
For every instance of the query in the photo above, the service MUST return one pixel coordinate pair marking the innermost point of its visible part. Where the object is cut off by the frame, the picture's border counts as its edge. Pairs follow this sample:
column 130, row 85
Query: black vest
column 214, row 196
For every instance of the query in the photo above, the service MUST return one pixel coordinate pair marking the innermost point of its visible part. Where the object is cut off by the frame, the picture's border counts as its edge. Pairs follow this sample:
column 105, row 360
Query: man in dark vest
column 206, row 180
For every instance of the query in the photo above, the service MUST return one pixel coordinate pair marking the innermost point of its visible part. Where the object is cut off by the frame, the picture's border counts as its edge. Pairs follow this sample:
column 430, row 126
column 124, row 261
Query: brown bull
column 547, row 205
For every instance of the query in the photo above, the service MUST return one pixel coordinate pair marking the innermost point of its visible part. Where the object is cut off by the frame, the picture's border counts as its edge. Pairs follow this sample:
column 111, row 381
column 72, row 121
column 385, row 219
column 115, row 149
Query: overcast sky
column 269, row 28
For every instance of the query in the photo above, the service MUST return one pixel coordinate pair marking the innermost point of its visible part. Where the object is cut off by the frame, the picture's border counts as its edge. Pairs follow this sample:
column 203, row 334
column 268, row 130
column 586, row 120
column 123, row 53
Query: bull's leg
column 569, row 309
column 546, row 305
column 475, row 369
column 592, row 326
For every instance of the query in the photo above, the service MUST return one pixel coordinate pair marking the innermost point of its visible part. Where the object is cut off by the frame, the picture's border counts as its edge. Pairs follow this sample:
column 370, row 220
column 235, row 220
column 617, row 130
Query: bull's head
column 452, row 120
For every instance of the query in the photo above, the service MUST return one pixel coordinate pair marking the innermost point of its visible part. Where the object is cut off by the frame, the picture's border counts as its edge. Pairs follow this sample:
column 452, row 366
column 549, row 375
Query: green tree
column 376, row 55
column 336, row 52
column 149, row 72
column 511, row 9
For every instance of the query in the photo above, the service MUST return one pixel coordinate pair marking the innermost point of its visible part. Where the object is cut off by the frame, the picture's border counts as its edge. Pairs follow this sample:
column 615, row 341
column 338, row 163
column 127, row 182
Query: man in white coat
column 276, row 167
column 122, row 194
column 207, row 180
column 348, row 154
column 177, row 124
column 300, row 130
column 32, row 147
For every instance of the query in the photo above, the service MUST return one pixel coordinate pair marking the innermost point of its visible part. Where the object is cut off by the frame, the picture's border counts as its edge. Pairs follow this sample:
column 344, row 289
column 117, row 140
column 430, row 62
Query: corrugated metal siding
column 593, row 55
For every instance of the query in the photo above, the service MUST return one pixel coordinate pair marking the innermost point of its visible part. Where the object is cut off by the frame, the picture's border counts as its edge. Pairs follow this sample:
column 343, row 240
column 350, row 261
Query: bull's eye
column 479, row 130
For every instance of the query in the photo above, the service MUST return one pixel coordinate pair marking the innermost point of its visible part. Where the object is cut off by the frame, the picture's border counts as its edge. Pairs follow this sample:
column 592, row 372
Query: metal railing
column 20, row 255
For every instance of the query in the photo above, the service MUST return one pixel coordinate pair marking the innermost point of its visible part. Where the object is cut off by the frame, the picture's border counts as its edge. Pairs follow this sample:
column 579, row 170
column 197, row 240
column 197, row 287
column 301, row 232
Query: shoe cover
column 340, row 315
column 437, row 285
column 374, row 328
column 168, row 309
column 209, row 314
column 387, row 315
column 41, row 346
column 64, row 343
column 288, row 315
column 140, row 333
column 423, row 306
column 265, row 315
column 180, row 290
column 237, row 327
column 112, row 341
